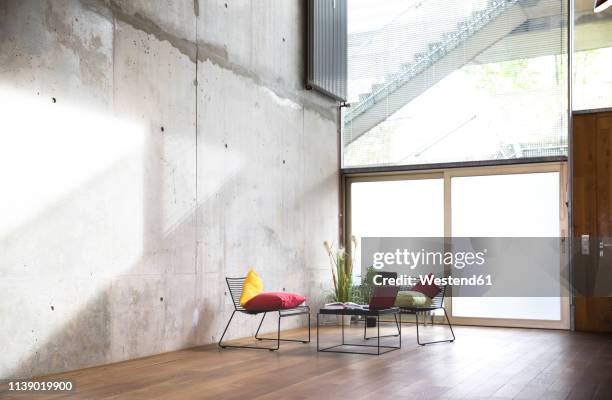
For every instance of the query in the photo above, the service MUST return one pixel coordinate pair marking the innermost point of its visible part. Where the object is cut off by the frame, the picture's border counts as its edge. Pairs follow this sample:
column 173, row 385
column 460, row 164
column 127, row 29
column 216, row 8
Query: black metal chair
column 235, row 288
column 437, row 303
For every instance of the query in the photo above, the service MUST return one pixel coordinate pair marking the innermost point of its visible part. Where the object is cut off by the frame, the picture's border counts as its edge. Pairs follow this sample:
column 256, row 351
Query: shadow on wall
column 98, row 241
column 105, row 255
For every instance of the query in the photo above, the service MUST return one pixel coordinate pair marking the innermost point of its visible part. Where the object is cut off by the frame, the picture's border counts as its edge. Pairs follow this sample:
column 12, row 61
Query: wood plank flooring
column 483, row 363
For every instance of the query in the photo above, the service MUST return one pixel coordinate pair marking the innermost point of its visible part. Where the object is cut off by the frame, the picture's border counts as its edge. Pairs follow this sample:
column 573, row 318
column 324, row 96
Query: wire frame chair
column 235, row 286
column 437, row 303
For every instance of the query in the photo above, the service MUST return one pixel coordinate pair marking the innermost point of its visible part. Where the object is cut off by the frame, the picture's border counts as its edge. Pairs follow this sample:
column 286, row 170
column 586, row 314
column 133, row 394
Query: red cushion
column 429, row 290
column 272, row 301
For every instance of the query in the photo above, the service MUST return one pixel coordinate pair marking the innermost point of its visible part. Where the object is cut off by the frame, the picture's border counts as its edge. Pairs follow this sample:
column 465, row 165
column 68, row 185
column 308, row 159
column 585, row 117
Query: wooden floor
column 483, row 363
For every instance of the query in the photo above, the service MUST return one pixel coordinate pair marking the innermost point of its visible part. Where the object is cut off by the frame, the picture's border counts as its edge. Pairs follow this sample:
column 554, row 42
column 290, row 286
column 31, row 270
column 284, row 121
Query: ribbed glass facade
column 437, row 81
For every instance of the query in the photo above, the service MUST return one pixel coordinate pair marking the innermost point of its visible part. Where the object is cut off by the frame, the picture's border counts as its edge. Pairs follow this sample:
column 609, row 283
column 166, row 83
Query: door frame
column 447, row 174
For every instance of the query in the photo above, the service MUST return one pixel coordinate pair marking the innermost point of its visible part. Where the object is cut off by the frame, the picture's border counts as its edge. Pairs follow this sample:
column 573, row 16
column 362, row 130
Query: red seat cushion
column 428, row 290
column 273, row 301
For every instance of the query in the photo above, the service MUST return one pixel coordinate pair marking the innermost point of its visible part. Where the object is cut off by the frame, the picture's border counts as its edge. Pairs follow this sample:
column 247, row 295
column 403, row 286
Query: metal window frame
column 559, row 165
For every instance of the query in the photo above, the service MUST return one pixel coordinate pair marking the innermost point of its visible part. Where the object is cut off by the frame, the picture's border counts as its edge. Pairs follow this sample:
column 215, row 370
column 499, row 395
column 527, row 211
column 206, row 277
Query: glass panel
column 407, row 208
column 592, row 57
column 518, row 205
column 455, row 80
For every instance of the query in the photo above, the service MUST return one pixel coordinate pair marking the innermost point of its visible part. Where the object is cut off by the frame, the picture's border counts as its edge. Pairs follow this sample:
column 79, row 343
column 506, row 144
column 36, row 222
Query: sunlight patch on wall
column 48, row 149
column 71, row 221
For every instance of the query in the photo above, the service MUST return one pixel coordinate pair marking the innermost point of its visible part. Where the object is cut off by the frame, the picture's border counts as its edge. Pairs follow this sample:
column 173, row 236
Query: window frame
column 559, row 166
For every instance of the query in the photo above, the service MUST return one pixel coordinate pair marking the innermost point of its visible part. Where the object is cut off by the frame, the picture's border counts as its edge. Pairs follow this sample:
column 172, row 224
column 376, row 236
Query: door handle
column 603, row 245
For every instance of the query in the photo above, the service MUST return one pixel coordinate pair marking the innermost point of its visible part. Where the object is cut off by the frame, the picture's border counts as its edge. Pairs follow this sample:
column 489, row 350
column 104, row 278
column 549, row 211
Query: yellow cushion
column 252, row 287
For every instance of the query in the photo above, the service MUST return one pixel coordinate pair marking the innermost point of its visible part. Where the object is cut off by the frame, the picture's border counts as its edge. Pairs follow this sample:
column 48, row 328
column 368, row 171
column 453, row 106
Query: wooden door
column 592, row 211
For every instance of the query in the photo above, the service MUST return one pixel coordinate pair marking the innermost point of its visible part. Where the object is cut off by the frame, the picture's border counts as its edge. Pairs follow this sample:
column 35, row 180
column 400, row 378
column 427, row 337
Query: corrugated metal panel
column 327, row 47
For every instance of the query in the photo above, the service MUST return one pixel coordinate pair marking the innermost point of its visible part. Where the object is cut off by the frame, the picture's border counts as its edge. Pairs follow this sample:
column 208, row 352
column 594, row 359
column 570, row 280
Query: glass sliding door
column 522, row 205
column 520, row 201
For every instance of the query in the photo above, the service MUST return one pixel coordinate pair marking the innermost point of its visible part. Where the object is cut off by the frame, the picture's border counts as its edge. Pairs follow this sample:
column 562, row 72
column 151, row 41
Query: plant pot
column 370, row 322
column 346, row 318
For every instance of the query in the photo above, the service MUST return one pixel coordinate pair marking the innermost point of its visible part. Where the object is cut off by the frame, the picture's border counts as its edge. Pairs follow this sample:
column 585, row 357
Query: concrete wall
column 148, row 149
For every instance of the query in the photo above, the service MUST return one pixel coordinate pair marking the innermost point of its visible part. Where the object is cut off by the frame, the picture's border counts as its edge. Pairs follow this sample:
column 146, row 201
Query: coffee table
column 366, row 313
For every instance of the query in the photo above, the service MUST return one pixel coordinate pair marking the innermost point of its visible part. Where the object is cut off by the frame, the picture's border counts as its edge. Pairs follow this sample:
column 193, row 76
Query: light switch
column 585, row 244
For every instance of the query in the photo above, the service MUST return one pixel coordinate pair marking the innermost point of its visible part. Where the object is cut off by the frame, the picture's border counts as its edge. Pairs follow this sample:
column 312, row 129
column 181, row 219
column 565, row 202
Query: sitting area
column 248, row 298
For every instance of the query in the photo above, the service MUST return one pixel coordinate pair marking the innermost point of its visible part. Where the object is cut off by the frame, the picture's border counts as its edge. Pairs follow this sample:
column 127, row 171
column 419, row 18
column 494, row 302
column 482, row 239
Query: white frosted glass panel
column 518, row 205
column 408, row 208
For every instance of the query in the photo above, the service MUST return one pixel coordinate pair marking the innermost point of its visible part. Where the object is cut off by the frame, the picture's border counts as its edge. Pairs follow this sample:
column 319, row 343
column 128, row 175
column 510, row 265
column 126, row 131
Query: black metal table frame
column 368, row 313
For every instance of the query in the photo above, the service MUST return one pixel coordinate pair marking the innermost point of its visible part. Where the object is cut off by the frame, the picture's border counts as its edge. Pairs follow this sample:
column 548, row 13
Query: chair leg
column 225, row 330
column 449, row 324
column 436, row 341
column 259, row 327
column 277, row 333
column 416, row 315
column 399, row 330
column 308, row 316
column 317, row 332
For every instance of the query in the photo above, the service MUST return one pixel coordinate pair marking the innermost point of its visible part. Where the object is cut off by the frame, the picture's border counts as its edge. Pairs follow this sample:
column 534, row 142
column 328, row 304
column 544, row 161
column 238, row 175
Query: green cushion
column 408, row 298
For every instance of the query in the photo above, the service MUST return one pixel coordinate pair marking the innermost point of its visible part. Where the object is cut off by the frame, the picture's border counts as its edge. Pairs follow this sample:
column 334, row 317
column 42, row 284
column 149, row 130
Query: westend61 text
column 405, row 280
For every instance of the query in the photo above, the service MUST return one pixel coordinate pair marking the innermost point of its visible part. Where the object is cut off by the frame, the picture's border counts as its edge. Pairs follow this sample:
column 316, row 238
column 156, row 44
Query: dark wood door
column 592, row 212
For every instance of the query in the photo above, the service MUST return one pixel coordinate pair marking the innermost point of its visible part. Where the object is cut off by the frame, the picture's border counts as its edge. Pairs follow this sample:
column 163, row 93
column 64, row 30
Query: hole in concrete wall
column 283, row 161
column 162, row 128
column 225, row 5
column 161, row 299
column 52, row 308
column 283, row 39
column 226, row 145
column 53, row 99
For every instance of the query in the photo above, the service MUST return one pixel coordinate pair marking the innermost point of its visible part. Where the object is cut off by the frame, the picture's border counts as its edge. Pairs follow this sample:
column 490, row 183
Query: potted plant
column 368, row 284
column 341, row 263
